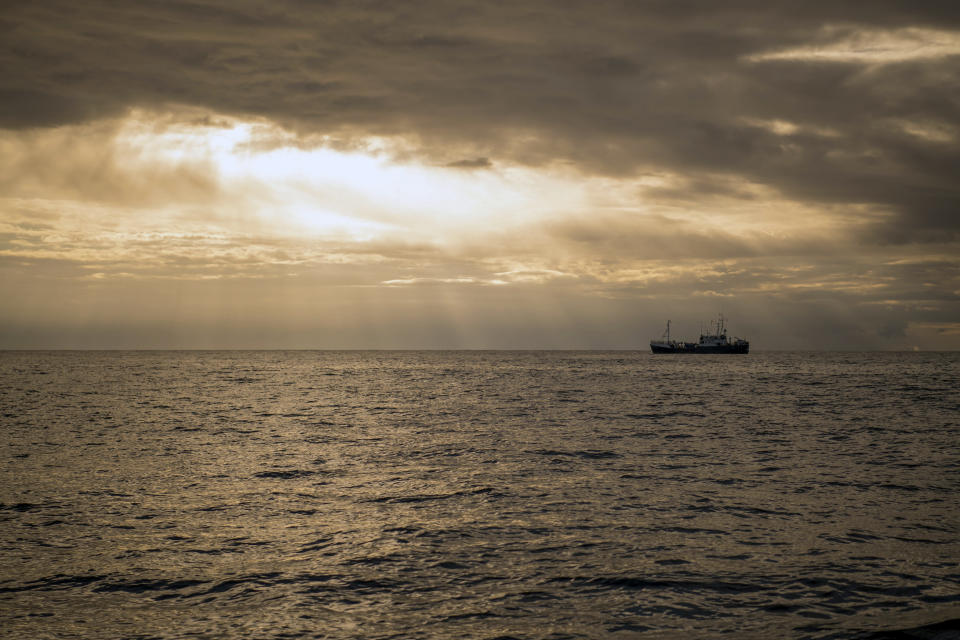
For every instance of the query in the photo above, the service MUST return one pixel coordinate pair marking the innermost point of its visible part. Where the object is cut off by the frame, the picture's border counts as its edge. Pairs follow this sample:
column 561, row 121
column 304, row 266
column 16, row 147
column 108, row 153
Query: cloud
column 472, row 163
column 791, row 152
column 873, row 46
column 104, row 161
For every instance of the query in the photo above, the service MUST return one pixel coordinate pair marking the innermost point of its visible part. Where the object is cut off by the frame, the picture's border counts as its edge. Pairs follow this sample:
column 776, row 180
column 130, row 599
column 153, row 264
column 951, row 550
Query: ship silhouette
column 714, row 342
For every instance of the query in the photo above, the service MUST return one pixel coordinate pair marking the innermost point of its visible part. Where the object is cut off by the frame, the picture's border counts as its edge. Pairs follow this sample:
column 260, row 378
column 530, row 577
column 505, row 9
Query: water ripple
column 484, row 495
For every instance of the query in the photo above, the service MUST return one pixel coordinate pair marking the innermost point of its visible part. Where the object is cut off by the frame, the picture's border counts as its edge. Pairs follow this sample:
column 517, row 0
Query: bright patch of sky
column 872, row 46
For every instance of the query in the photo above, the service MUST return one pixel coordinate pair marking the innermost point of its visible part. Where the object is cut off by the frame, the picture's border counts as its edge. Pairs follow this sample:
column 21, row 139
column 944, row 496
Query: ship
column 715, row 342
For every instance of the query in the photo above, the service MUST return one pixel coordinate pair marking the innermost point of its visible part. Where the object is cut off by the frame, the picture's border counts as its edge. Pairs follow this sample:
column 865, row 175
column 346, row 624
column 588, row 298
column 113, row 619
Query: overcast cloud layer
column 795, row 164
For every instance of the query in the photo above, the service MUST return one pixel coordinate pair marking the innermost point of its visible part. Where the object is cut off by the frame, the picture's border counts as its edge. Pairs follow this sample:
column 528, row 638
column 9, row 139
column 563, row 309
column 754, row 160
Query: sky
column 504, row 175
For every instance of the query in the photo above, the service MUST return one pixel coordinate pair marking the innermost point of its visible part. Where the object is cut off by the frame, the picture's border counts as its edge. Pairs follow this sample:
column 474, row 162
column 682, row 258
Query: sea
column 479, row 494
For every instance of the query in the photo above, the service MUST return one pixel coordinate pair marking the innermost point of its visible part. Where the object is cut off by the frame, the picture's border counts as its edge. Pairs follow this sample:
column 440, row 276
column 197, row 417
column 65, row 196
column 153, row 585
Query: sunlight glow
column 192, row 196
column 322, row 190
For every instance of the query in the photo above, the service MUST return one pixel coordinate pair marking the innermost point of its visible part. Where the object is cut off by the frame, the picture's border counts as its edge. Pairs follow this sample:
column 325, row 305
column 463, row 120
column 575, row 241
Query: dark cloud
column 614, row 86
column 470, row 163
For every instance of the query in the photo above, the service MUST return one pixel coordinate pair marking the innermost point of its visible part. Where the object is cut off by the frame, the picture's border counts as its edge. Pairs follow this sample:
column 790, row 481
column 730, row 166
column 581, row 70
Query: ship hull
column 694, row 348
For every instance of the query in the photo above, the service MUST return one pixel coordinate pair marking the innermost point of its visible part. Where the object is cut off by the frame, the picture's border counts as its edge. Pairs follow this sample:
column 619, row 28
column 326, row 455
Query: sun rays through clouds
column 564, row 176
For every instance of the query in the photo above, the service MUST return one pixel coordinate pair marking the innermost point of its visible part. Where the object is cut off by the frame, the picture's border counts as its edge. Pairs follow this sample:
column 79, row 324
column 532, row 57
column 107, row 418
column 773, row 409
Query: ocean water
column 479, row 495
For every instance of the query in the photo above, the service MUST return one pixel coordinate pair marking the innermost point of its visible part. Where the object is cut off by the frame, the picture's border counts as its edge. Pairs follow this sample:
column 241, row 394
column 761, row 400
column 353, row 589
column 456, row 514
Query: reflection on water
column 477, row 494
